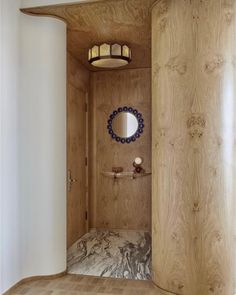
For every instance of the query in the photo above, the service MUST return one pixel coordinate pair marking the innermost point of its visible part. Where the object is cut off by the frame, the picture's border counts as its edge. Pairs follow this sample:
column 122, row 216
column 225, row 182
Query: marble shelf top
column 130, row 174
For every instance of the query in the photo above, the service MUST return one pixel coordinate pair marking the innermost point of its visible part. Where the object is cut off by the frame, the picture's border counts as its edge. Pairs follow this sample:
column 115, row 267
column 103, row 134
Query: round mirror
column 125, row 124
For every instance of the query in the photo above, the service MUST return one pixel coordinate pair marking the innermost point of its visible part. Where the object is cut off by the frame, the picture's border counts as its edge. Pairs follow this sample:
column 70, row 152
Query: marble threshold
column 112, row 253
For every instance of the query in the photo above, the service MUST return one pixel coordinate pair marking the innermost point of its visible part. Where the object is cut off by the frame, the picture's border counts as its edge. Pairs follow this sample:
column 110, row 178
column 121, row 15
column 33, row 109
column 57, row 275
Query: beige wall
column 126, row 203
column 33, row 145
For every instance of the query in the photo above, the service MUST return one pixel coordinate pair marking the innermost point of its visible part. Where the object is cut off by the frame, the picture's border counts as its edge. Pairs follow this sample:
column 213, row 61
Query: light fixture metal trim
column 105, row 55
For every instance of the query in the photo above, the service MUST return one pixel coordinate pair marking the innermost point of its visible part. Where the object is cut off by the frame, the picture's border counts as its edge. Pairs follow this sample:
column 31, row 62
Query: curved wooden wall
column 194, row 104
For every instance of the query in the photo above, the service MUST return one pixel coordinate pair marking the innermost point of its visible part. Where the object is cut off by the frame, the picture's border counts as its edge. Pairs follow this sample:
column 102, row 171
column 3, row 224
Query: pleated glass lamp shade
column 109, row 56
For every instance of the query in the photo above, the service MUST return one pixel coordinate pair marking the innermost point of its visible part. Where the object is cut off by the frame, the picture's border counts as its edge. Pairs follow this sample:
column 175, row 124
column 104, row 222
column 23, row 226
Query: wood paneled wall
column 77, row 89
column 124, row 203
column 194, row 104
column 77, row 74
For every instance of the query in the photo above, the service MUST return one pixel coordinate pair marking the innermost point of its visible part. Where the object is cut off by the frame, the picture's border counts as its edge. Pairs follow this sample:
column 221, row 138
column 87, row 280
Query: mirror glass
column 125, row 124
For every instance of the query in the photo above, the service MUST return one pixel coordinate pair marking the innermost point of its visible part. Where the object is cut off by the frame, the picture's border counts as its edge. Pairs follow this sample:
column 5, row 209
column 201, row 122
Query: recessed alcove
column 118, row 211
column 184, row 89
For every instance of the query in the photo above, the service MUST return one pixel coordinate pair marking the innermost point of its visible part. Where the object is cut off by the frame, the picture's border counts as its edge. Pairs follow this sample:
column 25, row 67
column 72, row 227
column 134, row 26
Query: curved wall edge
column 194, row 145
column 42, row 145
column 10, row 268
column 39, row 3
column 35, row 278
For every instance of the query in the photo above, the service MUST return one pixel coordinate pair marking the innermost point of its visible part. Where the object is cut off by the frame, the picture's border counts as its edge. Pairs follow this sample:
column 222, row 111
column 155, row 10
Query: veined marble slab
column 116, row 254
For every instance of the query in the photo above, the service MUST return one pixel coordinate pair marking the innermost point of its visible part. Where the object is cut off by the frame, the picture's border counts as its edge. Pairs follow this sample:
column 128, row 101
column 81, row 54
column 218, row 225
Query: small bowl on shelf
column 117, row 169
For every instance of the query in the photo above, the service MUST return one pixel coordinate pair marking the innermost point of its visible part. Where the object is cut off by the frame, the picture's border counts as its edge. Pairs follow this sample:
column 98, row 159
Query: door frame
column 68, row 169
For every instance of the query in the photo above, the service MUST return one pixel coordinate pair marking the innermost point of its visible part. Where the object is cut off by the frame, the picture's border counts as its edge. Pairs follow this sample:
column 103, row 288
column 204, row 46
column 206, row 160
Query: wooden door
column 76, row 165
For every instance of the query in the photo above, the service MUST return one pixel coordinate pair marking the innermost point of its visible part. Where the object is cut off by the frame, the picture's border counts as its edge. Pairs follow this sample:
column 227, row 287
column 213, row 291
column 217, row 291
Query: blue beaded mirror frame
column 140, row 128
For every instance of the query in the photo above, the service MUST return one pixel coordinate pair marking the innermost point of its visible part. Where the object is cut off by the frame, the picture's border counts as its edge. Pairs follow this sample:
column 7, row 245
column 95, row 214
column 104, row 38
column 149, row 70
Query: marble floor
column 109, row 253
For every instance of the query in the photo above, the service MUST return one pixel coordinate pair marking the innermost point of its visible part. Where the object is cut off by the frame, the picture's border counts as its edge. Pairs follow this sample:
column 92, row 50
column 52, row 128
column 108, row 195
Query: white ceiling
column 36, row 3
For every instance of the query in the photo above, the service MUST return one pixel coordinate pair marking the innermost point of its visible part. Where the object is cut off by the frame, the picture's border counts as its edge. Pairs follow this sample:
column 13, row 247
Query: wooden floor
column 86, row 285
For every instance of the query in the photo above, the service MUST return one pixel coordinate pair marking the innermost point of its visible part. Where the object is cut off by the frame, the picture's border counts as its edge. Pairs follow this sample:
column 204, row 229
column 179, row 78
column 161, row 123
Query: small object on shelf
column 139, row 170
column 117, row 169
column 137, row 165
column 138, row 161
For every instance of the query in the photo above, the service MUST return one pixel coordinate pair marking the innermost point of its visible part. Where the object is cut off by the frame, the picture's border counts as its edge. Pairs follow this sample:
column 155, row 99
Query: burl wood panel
column 123, row 21
column 77, row 88
column 124, row 203
column 193, row 76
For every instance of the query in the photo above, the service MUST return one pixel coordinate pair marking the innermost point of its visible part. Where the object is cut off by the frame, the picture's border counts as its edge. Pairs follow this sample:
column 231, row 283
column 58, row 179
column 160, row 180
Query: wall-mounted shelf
column 131, row 174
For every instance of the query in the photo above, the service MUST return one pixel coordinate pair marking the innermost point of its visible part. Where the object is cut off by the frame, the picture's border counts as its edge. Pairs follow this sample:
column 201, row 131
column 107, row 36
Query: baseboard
column 34, row 278
column 164, row 290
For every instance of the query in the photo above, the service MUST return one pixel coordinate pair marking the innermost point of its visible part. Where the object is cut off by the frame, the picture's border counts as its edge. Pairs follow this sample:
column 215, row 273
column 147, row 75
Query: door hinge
column 86, row 161
column 86, row 215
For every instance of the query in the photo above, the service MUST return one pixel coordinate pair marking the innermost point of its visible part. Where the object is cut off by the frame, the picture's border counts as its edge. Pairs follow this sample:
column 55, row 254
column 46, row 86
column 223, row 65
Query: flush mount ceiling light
column 109, row 56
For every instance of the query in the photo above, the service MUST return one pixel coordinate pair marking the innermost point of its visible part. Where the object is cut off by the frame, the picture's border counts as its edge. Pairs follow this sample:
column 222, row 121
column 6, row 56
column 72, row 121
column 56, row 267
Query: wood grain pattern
column 87, row 285
column 125, row 203
column 29, row 280
column 193, row 72
column 106, row 21
column 77, row 88
column 92, row 155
